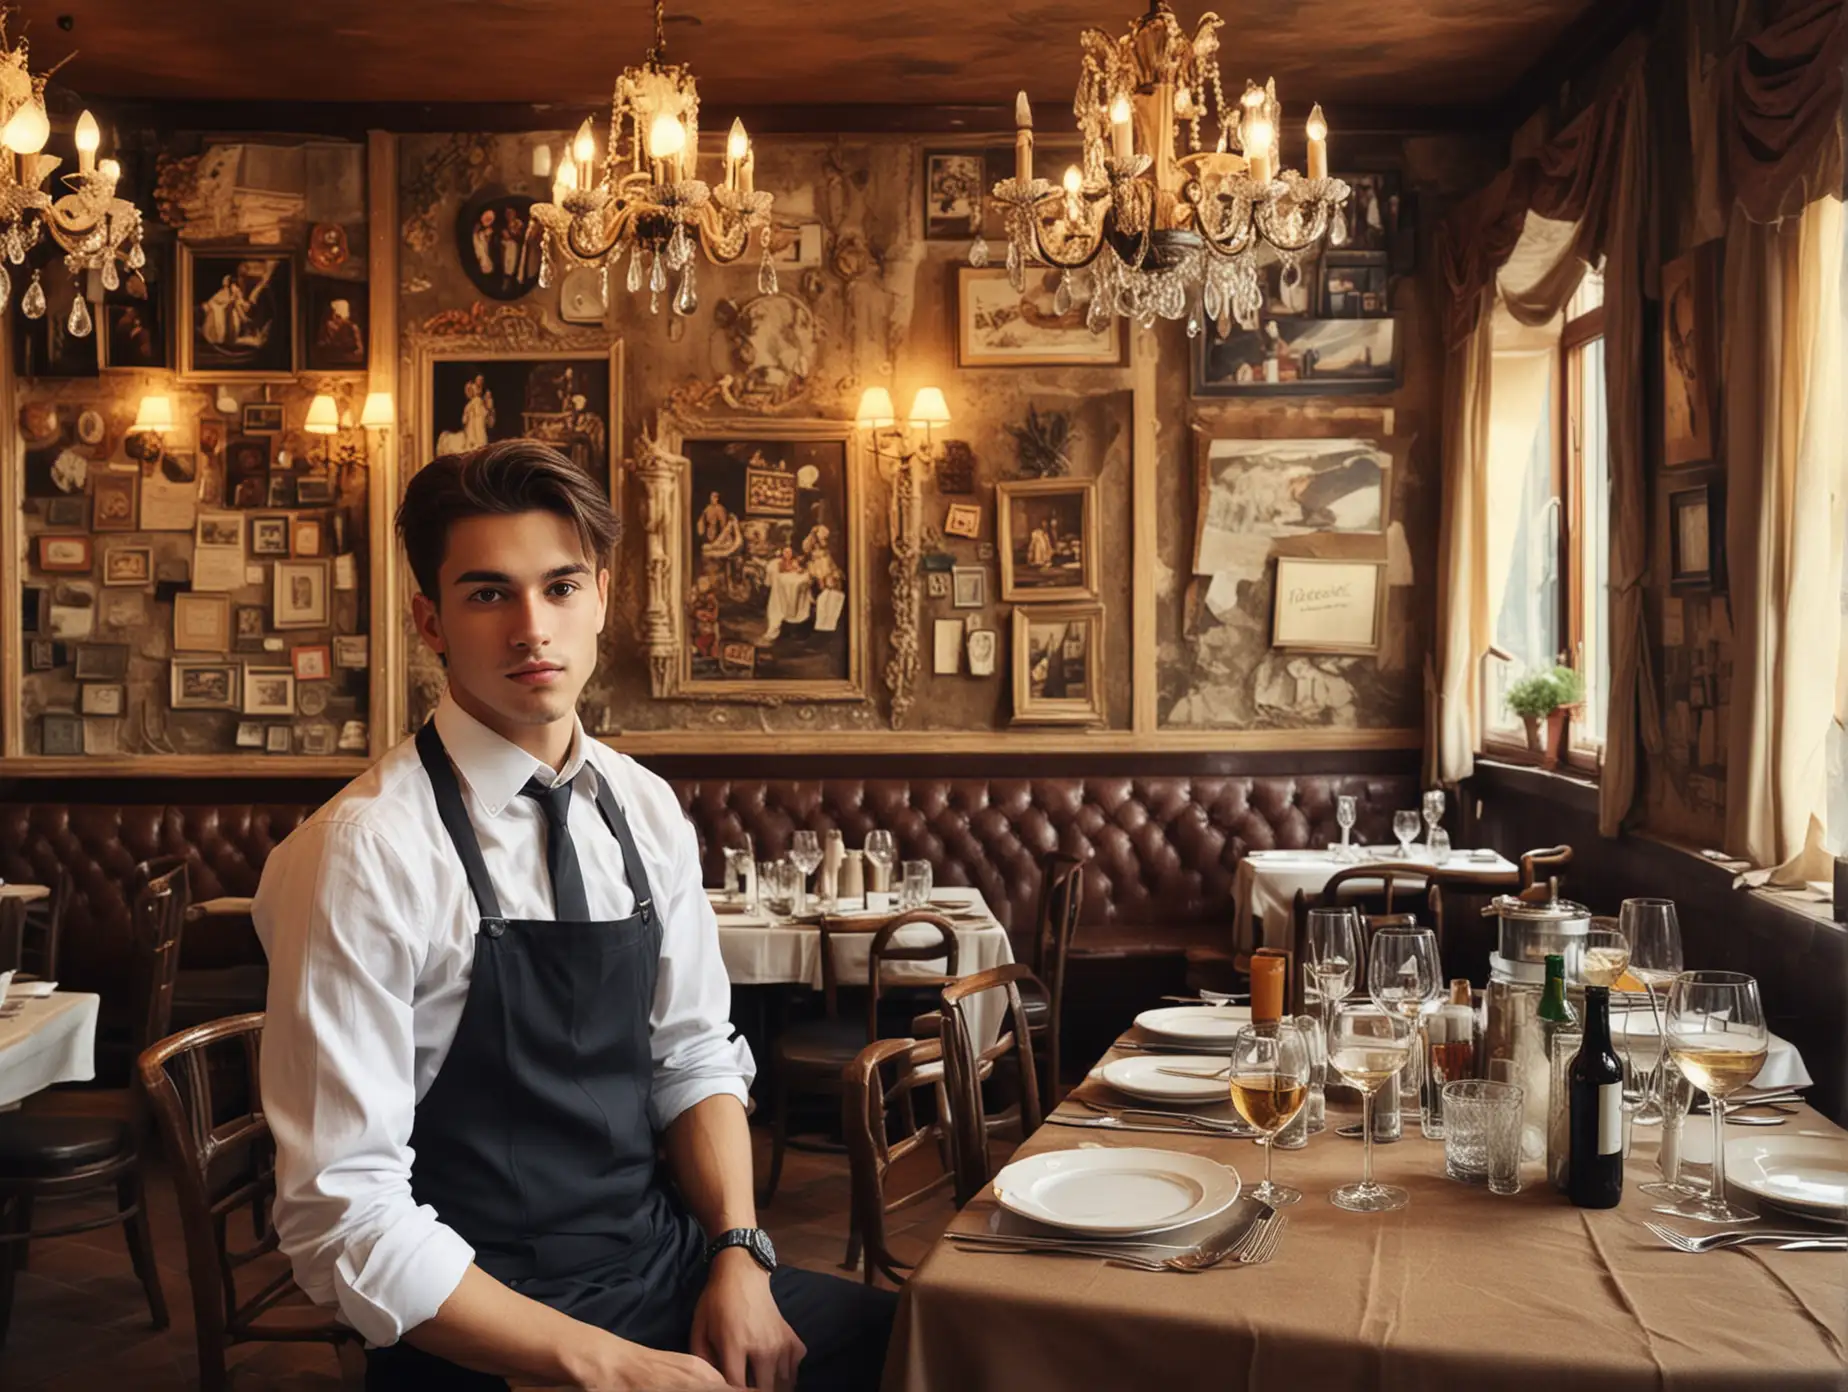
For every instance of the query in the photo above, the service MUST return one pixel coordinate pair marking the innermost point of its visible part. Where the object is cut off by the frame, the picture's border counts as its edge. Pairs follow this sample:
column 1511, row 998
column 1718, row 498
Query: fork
column 1265, row 1247
column 1785, row 1241
column 1222, row 1072
column 1243, row 1248
column 1214, row 1124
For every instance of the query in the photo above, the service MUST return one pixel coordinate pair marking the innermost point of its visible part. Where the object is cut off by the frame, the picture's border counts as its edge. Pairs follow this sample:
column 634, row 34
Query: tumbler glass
column 914, row 891
column 1482, row 1134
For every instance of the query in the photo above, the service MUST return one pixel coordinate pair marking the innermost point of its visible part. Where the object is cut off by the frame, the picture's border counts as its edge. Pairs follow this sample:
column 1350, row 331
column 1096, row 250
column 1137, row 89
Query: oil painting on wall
column 571, row 401
column 1253, row 490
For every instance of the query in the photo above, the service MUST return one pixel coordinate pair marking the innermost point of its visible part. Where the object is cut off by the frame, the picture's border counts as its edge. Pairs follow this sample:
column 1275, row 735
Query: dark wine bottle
column 1596, row 1177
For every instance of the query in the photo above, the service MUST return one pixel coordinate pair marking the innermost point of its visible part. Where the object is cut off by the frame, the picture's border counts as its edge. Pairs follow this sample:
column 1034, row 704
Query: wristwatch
column 754, row 1240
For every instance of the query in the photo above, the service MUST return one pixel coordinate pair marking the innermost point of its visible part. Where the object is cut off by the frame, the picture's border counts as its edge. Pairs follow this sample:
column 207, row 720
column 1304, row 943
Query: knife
column 1106, row 1123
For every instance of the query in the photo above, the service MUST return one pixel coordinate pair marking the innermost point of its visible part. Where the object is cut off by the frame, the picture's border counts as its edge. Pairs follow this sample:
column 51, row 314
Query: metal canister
column 1512, row 1047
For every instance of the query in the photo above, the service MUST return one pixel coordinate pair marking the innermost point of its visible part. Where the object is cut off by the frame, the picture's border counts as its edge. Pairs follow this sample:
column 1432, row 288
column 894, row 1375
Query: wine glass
column 1405, row 973
column 1368, row 1045
column 1433, row 809
column 805, row 855
column 832, row 853
column 882, row 851
column 740, row 877
column 1347, row 812
column 1717, row 1037
column 1655, row 960
column 1674, row 1092
column 1270, row 1083
column 1332, row 949
column 1405, row 827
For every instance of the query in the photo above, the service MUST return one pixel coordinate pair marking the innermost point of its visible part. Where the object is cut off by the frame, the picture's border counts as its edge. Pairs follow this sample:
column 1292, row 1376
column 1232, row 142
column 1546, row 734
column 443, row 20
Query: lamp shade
column 156, row 414
column 379, row 411
column 323, row 416
column 875, row 412
column 929, row 408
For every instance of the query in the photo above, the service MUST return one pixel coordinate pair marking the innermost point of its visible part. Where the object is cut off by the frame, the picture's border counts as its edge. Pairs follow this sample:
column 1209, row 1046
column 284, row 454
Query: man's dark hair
column 506, row 477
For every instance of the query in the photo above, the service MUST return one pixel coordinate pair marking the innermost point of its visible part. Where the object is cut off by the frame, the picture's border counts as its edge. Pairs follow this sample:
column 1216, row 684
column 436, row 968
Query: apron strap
column 450, row 808
column 618, row 823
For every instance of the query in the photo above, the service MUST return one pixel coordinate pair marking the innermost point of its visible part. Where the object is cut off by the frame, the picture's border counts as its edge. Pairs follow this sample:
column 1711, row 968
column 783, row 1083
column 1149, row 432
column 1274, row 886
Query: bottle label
column 1610, row 1118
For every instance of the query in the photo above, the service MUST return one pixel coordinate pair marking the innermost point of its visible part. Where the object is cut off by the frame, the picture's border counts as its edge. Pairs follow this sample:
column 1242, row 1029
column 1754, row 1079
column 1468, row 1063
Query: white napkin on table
column 26, row 990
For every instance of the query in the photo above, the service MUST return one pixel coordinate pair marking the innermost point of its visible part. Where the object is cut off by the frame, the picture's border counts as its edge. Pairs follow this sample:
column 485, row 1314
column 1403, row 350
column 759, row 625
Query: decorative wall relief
column 773, row 340
column 1042, row 443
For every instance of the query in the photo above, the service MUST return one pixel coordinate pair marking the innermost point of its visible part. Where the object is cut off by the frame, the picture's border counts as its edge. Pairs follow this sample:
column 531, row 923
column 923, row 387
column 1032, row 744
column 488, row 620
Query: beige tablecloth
column 1463, row 1289
column 51, row 1040
column 31, row 893
column 1264, row 891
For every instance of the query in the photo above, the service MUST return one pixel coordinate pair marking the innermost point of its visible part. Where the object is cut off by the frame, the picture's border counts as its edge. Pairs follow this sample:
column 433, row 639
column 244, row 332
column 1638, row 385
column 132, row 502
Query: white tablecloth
column 1633, row 1022
column 29, row 892
column 1265, row 891
column 52, row 1040
column 760, row 953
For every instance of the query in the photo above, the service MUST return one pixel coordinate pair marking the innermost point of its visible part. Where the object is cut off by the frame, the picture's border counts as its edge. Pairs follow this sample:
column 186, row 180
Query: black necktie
column 561, row 862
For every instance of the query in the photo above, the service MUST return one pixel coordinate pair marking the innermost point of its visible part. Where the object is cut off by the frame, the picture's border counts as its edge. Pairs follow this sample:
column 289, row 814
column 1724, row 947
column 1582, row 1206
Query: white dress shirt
column 370, row 929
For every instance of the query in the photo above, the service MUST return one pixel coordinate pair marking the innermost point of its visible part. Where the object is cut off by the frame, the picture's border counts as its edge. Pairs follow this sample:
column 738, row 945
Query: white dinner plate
column 1196, row 1024
column 1140, row 1075
column 1804, row 1174
column 1116, row 1191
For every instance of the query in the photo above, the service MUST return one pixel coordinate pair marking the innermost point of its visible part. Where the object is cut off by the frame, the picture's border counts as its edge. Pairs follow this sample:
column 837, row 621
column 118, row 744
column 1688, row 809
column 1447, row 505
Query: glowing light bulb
column 666, row 137
column 737, row 144
column 584, row 147
column 1120, row 110
column 1253, row 98
column 27, row 129
column 1258, row 135
column 1317, row 126
column 567, row 174
column 89, row 134
column 1074, row 180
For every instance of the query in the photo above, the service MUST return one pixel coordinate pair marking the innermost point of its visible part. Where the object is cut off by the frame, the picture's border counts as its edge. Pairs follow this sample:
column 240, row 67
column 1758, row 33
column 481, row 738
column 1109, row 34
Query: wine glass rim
column 1707, row 976
column 1646, row 902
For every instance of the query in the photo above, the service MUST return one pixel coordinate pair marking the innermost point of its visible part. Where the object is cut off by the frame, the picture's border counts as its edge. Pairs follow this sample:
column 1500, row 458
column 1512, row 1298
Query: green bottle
column 1555, row 1010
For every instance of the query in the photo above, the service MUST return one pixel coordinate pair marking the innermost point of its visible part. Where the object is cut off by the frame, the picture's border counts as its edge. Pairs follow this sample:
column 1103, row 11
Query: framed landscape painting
column 1289, row 355
column 999, row 326
column 1250, row 491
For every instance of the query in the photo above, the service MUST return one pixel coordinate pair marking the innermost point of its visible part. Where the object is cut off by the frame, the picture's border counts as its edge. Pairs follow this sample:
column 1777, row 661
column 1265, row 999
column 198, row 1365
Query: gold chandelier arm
column 1035, row 225
column 1240, row 242
column 618, row 224
column 1267, row 222
column 716, row 241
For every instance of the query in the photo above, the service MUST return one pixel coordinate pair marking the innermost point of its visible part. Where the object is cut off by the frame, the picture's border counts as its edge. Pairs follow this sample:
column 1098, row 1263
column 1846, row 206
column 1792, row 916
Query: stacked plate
column 1116, row 1191
column 1804, row 1176
column 1196, row 1026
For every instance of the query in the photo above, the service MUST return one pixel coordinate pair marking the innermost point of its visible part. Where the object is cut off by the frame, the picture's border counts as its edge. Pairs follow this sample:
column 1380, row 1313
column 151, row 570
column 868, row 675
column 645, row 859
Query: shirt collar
column 494, row 767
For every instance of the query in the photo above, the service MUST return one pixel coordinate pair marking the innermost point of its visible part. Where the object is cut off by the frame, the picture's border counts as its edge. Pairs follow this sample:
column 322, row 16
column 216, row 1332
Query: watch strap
column 754, row 1240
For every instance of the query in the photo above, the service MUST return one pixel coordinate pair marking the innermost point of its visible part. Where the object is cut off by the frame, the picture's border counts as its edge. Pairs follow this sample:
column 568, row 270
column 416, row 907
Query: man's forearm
column 492, row 1328
column 709, row 1154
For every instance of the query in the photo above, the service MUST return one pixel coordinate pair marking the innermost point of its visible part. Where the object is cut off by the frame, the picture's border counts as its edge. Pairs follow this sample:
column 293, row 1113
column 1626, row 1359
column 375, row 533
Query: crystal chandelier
column 94, row 228
column 1166, row 233
column 647, row 204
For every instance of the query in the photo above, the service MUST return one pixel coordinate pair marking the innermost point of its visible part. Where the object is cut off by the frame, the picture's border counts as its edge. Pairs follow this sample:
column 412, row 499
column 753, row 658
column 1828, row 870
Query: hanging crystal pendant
column 1337, row 229
column 79, row 321
column 1193, row 326
column 978, row 251
column 32, row 303
column 15, row 244
column 1016, row 275
column 1062, row 296
column 545, row 264
column 657, row 276
column 766, row 273
column 635, row 269
column 687, row 300
column 1096, row 315
column 112, row 278
column 137, row 258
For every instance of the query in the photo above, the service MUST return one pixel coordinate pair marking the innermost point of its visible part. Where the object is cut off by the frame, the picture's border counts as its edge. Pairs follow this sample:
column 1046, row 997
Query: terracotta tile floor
column 80, row 1320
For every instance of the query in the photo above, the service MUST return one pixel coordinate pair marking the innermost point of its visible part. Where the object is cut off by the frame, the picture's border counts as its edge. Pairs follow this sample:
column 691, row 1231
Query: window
column 1548, row 516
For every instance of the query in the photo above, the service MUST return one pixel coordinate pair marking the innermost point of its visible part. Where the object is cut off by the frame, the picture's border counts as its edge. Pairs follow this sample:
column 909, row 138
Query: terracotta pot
column 1558, row 727
column 1532, row 725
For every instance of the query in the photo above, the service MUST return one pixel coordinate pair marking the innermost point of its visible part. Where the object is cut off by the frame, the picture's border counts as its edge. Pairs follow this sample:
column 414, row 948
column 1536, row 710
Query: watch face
column 762, row 1250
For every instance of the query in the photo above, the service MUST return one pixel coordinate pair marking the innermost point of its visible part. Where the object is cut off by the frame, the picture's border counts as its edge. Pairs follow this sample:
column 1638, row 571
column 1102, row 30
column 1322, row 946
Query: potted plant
column 1569, row 696
column 1533, row 698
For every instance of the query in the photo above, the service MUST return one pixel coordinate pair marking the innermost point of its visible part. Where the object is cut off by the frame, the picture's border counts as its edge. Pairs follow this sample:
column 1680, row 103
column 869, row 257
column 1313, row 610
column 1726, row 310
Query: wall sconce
column 323, row 416
column 894, row 440
column 155, row 414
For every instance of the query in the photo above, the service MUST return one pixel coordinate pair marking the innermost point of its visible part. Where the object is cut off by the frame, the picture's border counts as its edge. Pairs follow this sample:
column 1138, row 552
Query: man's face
column 521, row 608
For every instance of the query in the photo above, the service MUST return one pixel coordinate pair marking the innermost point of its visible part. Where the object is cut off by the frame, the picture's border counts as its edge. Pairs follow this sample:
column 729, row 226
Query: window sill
column 1567, row 786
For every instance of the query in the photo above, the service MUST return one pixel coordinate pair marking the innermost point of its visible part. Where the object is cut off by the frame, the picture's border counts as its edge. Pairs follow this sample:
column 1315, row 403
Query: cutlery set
column 1789, row 1241
column 1251, row 1239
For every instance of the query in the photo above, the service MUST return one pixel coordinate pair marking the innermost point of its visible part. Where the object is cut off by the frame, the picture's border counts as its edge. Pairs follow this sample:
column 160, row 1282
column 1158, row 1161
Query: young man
column 496, row 995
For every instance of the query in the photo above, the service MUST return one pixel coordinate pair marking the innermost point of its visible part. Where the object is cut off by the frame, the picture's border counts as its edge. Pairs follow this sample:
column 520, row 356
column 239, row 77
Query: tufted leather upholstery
column 1161, row 850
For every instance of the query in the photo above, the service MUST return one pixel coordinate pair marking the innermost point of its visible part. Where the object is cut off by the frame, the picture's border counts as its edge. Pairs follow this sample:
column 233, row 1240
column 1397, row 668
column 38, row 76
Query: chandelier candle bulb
column 1258, row 148
column 1122, row 136
column 27, row 129
column 89, row 136
column 737, row 146
column 1317, row 131
column 1023, row 139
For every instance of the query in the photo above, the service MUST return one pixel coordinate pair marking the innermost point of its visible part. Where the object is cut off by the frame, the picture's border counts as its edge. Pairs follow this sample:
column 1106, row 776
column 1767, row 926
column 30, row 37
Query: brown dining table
column 1461, row 1289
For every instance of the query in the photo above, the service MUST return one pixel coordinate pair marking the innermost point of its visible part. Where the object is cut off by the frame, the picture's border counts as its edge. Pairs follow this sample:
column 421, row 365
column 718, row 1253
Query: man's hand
column 615, row 1365
column 738, row 1329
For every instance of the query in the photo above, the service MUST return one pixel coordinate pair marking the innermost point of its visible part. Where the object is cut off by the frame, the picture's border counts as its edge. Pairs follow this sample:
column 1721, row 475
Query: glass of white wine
column 1654, row 932
column 1606, row 955
column 805, row 855
column 1717, row 1038
column 1270, row 1084
column 1368, row 1045
column 1332, row 950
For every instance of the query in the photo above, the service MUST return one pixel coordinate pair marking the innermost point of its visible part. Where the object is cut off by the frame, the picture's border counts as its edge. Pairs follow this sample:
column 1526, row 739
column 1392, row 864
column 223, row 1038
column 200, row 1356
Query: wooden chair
column 965, row 1067
column 1043, row 995
column 219, row 1166
column 1374, row 891
column 811, row 1054
column 53, row 1155
column 1539, row 866
column 30, row 933
column 879, row 1119
column 1456, row 903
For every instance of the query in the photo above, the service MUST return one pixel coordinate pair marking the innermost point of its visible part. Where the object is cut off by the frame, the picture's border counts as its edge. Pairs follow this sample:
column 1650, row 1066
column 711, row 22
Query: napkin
column 25, row 990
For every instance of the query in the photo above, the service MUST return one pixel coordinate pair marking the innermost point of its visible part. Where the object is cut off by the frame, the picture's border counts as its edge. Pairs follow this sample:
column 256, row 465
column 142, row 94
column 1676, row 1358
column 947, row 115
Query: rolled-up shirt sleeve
column 695, row 1053
column 339, row 1083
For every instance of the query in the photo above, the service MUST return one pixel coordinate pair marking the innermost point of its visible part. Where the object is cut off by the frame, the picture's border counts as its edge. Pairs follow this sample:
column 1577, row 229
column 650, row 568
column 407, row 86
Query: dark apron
column 534, row 1141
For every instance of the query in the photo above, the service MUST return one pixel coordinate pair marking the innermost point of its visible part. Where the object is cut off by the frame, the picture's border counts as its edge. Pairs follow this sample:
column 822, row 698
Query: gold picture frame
column 999, row 326
column 273, row 361
column 1036, row 567
column 1043, row 677
column 1322, row 604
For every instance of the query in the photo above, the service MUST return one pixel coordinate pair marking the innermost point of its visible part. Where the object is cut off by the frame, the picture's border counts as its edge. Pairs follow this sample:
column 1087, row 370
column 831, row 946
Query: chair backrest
column 1060, row 906
column 12, row 932
column 158, row 915
column 879, row 1118
column 938, row 946
column 1537, row 866
column 219, row 1166
column 964, row 1066
column 29, row 933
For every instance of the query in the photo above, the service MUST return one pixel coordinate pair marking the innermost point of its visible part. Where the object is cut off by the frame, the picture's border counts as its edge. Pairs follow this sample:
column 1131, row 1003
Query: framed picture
column 45, row 346
column 280, row 492
column 1289, row 356
column 314, row 492
column 312, row 663
column 42, row 654
column 998, row 326
column 269, row 691
column 250, row 734
column 982, row 652
column 968, row 587
column 308, row 539
column 201, row 623
column 498, row 243
column 200, row 685
column 60, row 734
column 336, row 319
column 1058, row 664
column 350, row 650
column 236, row 314
column 946, row 647
column 261, row 418
column 247, row 466
column 133, row 334
column 955, row 184
column 249, row 627
column 301, row 594
column 1331, row 606
column 318, row 739
column 269, row 536
column 219, row 529
column 279, row 739
column 1046, row 535
column 128, row 565
column 1687, row 358
column 1249, row 492
column 963, row 520
column 1355, row 290
column 113, row 494
column 58, row 552
column 767, row 584
column 1693, row 539
column 571, row 401
column 67, row 512
column 1380, row 218
column 103, row 698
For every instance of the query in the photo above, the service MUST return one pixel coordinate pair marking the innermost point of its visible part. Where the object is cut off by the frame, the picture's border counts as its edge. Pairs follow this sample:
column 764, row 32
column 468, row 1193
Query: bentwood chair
column 880, row 1120
column 965, row 1067
column 811, row 1054
column 29, row 933
column 49, row 1156
column 1043, row 995
column 221, row 1165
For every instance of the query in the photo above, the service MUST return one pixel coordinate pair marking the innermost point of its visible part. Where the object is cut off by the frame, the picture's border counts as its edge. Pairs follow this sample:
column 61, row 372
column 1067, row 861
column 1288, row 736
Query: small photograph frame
column 1046, row 535
column 314, row 662
column 1693, row 539
column 250, row 734
column 269, row 690
column 103, row 698
column 314, row 492
column 60, row 734
column 963, row 520
column 201, row 622
column 269, row 536
column 1328, row 605
column 937, row 584
column 1058, row 664
column 42, row 654
column 308, row 538
column 114, row 498
column 219, row 531
column 250, row 625
column 351, row 650
column 236, row 314
column 968, row 587
column 301, row 594
column 946, row 647
column 982, row 645
column 203, row 685
column 279, row 739
column 281, row 491
column 319, row 739
column 128, row 566
column 102, row 662
column 261, row 418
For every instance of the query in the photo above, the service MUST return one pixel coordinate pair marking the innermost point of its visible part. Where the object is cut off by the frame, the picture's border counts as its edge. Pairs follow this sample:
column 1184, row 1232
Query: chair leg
column 13, row 1219
column 853, row 1241
column 779, row 1137
column 130, row 1194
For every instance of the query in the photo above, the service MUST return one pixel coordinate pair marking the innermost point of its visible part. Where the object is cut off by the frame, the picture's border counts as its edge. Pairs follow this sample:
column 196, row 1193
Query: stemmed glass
column 1332, row 950
column 1433, row 810
column 832, row 853
column 740, row 872
column 1270, row 1083
column 1655, row 959
column 1675, row 1093
column 1717, row 1038
column 805, row 855
column 1405, row 974
column 1405, row 827
column 1347, row 812
column 1368, row 1045
column 882, row 851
